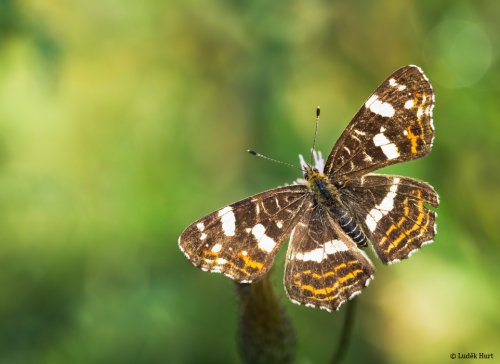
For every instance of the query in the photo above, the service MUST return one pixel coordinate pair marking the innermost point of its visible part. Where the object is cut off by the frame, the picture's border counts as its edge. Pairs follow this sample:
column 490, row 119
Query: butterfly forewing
column 393, row 212
column 324, row 267
column 394, row 125
column 242, row 239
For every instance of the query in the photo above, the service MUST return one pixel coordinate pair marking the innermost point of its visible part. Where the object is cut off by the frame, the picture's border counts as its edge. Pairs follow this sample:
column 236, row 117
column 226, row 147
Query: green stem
column 347, row 331
column 265, row 333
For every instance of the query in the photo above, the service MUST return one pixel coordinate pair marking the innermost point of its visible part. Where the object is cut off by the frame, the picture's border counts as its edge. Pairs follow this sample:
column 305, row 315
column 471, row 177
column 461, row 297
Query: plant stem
column 347, row 331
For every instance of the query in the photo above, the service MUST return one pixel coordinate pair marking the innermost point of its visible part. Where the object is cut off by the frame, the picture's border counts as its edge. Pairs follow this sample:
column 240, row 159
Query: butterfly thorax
column 326, row 194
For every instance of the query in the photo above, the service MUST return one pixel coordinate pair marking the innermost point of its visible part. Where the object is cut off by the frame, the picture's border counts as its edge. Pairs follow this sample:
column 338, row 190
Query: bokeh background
column 121, row 122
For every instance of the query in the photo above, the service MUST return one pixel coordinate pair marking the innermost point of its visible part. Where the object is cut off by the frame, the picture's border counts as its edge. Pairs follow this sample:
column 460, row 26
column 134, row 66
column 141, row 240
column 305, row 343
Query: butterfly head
column 312, row 174
column 309, row 170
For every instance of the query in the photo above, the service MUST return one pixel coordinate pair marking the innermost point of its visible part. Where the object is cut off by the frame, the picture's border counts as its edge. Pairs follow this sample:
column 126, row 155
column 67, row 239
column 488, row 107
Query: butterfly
column 338, row 210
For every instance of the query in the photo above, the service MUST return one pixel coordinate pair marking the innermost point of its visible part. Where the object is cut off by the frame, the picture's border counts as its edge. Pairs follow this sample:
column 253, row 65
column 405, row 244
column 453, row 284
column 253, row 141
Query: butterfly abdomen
column 349, row 225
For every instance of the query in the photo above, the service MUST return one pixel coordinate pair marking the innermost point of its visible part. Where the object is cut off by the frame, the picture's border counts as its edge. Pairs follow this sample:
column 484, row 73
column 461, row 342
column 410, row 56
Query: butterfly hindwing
column 242, row 239
column 394, row 125
column 393, row 212
column 324, row 267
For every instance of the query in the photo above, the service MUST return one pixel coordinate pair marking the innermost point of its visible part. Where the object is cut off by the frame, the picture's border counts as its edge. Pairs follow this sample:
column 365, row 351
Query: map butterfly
column 338, row 210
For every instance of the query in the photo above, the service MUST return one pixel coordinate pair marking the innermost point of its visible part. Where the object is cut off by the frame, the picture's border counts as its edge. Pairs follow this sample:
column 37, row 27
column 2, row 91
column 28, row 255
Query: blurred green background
column 122, row 122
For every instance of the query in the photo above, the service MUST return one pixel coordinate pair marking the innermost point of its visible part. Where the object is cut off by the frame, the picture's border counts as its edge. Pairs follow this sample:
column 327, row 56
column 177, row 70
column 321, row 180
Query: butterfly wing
column 324, row 267
column 393, row 214
column 394, row 125
column 242, row 239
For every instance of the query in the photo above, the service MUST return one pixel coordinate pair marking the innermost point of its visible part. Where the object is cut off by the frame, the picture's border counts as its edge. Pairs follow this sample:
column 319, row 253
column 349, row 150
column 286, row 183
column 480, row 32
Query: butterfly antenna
column 273, row 160
column 315, row 133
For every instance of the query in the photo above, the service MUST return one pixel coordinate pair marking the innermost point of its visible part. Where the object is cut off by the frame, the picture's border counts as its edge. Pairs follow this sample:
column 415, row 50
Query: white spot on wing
column 314, row 255
column 384, row 207
column 370, row 222
column 216, row 248
column 244, row 253
column 200, row 226
column 279, row 224
column 380, row 139
column 379, row 107
column 401, row 87
column 318, row 254
column 228, row 220
column 394, row 187
column 359, row 132
column 224, row 210
column 392, row 82
column 203, row 236
column 376, row 215
column 409, row 104
column 334, row 246
column 371, row 100
column 390, row 150
column 387, row 203
column 265, row 242
column 221, row 261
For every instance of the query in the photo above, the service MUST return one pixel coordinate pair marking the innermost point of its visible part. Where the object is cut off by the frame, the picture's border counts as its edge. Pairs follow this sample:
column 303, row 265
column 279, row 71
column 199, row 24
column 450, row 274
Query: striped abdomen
column 349, row 225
